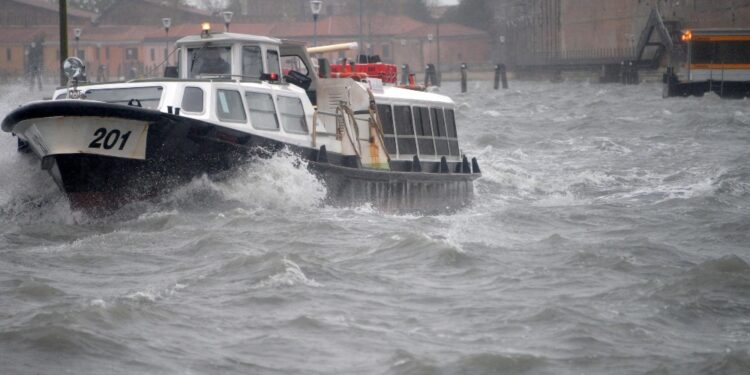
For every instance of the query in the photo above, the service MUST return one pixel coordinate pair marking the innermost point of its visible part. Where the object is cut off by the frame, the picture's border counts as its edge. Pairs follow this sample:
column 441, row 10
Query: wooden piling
column 464, row 77
column 501, row 75
column 405, row 74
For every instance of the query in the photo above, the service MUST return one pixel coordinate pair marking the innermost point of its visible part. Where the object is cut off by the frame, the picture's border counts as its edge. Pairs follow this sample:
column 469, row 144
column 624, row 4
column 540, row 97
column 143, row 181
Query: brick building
column 540, row 32
column 128, row 40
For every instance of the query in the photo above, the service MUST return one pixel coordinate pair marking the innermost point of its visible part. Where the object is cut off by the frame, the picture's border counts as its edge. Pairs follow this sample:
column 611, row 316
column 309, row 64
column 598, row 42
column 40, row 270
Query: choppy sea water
column 610, row 234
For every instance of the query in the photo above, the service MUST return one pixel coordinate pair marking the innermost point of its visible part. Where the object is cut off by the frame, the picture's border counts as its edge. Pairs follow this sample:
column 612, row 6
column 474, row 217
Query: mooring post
column 464, row 77
column 501, row 74
column 669, row 81
column 504, row 76
column 430, row 76
column 632, row 73
column 497, row 77
column 405, row 74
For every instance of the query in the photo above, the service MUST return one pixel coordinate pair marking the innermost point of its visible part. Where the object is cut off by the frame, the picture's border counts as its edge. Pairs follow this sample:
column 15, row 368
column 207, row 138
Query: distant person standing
column 101, row 73
column 35, row 64
column 35, row 74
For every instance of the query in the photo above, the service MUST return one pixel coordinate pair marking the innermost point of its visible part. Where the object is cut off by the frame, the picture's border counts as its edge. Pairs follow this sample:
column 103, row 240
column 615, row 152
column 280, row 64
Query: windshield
column 209, row 61
column 252, row 62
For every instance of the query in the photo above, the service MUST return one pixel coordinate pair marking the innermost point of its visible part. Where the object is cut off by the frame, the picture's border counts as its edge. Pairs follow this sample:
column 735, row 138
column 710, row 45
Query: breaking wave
column 281, row 182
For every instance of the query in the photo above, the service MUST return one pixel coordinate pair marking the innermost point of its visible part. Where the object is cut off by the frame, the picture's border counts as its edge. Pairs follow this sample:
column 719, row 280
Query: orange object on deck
column 353, row 75
column 386, row 72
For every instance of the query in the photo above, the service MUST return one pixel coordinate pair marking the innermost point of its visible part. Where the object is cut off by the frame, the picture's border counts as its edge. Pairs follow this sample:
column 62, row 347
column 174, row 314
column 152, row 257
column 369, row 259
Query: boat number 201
column 107, row 139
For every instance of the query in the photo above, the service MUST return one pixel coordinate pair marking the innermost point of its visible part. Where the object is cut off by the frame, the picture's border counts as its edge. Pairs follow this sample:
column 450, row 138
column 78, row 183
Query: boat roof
column 228, row 38
column 720, row 31
column 407, row 95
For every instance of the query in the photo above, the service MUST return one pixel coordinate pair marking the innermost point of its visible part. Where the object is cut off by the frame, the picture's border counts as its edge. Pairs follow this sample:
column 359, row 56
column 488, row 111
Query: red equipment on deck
column 386, row 72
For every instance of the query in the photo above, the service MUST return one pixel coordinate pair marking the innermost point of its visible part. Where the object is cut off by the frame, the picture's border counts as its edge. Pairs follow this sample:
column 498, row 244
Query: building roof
column 336, row 26
column 183, row 8
column 147, row 12
column 45, row 4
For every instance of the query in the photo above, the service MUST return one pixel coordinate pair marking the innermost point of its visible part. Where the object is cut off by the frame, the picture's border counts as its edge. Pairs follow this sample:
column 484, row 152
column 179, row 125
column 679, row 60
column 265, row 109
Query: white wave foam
column 665, row 192
column 558, row 199
column 143, row 296
column 570, row 117
column 281, row 182
column 151, row 295
column 291, row 276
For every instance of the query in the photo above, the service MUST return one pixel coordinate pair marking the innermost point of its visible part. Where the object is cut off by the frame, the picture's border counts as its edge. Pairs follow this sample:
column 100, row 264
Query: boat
column 236, row 97
column 711, row 60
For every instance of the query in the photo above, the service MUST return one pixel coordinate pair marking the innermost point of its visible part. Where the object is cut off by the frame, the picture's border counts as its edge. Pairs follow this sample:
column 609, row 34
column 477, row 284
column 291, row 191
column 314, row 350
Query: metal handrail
column 344, row 109
column 375, row 116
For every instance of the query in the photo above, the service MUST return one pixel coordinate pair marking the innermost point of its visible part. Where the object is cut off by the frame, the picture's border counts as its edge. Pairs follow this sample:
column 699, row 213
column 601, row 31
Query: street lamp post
column 436, row 12
column 437, row 32
column 63, row 39
column 167, row 23
column 77, row 32
column 227, row 20
column 361, row 34
column 315, row 7
column 430, row 37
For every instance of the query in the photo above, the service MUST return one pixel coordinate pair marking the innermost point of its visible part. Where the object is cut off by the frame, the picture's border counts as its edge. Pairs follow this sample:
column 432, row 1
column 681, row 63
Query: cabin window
column 386, row 118
column 273, row 61
column 424, row 130
column 289, row 63
column 407, row 145
column 192, row 100
column 450, row 122
column 210, row 61
column 229, row 106
column 438, row 126
column 262, row 111
column 292, row 114
column 252, row 62
column 148, row 97
column 720, row 52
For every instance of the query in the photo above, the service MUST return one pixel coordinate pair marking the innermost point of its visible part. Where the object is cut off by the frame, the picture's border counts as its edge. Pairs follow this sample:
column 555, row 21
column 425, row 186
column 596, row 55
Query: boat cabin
column 231, row 56
column 711, row 60
column 714, row 54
